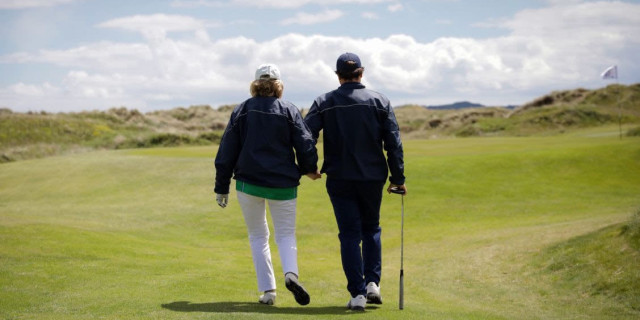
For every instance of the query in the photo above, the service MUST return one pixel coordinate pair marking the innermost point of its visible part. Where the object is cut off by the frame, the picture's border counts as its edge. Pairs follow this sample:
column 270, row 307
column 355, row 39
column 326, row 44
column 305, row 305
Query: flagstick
column 619, row 110
column 618, row 101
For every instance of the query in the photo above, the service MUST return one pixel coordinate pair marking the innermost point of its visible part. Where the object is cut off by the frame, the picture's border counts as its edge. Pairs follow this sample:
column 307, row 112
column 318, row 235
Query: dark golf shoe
column 299, row 293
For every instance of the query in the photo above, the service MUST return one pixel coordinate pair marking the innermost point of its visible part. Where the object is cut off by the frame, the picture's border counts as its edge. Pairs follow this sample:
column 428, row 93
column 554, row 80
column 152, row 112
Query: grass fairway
column 494, row 229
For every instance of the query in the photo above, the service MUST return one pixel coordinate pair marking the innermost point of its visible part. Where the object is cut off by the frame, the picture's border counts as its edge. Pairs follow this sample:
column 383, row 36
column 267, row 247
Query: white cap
column 268, row 71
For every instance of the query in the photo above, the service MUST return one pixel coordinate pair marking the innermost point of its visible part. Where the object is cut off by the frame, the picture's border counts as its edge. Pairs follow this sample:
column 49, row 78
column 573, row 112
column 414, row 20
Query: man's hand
column 398, row 187
column 222, row 199
column 314, row 175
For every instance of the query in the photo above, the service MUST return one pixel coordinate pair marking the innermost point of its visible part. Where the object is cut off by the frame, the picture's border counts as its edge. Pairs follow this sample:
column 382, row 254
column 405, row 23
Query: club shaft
column 402, row 235
column 401, row 287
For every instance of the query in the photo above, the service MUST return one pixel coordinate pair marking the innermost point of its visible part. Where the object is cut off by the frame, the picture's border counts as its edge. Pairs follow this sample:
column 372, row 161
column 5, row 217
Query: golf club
column 401, row 287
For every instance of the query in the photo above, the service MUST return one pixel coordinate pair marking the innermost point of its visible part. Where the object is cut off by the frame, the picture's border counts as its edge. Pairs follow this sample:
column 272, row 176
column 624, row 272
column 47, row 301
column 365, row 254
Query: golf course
column 538, row 227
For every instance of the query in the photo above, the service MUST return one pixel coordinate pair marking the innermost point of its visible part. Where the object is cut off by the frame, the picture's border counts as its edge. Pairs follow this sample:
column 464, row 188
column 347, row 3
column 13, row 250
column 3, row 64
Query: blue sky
column 74, row 55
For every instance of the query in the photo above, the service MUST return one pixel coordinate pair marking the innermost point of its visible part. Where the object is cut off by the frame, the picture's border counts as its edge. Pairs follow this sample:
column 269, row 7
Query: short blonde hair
column 267, row 88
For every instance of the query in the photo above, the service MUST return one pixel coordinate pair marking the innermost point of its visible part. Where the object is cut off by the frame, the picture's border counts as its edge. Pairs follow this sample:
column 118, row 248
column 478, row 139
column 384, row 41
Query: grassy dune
column 36, row 135
column 496, row 228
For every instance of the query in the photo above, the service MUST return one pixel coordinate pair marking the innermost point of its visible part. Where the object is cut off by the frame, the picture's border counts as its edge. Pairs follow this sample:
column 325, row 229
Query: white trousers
column 283, row 214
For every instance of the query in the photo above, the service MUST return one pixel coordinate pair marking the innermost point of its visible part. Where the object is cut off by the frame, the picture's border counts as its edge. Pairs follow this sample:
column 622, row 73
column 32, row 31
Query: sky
column 83, row 55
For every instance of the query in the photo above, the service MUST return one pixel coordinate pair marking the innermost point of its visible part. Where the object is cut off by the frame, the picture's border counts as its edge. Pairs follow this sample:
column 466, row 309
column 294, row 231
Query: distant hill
column 456, row 106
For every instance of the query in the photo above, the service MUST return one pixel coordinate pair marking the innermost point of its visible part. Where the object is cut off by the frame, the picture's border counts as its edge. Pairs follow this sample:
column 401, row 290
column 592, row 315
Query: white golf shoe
column 358, row 303
column 373, row 293
column 268, row 298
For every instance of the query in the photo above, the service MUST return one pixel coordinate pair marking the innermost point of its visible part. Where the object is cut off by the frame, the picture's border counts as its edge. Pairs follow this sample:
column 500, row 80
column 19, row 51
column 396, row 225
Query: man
column 357, row 124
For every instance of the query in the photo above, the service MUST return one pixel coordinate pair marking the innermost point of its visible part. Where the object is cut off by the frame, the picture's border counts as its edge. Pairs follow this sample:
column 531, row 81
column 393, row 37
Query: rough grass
column 136, row 234
column 36, row 135
column 602, row 264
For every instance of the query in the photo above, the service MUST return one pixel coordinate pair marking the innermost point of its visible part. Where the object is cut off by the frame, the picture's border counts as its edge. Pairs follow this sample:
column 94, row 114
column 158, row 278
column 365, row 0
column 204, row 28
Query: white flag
column 610, row 73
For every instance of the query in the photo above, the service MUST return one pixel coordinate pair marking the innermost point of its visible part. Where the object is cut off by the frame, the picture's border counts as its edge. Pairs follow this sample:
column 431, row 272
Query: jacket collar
column 352, row 85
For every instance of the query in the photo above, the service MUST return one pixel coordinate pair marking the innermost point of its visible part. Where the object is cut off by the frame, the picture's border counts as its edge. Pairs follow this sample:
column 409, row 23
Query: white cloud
column 101, row 55
column 581, row 35
column 583, row 20
column 32, row 90
column 23, row 4
column 370, row 15
column 157, row 25
column 29, row 29
column 563, row 2
column 196, row 3
column 567, row 49
column 395, row 7
column 304, row 18
column 267, row 4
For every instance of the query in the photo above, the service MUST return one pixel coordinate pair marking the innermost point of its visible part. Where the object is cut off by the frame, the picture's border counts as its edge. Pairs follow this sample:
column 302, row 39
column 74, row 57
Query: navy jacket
column 357, row 124
column 258, row 146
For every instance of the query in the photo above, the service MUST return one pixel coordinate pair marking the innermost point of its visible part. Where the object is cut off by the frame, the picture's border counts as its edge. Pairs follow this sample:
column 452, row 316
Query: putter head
column 397, row 190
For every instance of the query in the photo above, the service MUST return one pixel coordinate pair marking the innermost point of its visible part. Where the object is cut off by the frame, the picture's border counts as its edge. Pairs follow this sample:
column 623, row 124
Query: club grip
column 397, row 190
column 401, row 303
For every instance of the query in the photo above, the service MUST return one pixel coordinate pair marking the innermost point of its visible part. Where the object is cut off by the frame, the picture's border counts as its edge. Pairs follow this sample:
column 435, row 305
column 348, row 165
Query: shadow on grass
column 245, row 307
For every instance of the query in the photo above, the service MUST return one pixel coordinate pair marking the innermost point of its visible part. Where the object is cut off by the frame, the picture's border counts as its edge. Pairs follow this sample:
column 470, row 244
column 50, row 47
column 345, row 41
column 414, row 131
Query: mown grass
column 136, row 234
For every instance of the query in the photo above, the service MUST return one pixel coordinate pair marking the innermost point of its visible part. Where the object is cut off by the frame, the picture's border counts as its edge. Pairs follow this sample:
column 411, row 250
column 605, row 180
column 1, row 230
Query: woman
column 257, row 148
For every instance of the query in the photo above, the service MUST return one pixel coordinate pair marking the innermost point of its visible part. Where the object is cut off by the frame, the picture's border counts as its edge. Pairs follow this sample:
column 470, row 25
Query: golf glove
column 222, row 199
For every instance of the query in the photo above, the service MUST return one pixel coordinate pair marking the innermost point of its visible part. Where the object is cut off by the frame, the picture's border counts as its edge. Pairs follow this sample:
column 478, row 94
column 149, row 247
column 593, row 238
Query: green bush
column 467, row 131
column 635, row 132
column 492, row 125
column 168, row 140
column 212, row 136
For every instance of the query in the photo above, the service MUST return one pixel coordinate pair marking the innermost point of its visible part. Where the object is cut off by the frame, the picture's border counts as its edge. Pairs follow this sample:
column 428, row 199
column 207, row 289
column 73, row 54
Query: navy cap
column 348, row 62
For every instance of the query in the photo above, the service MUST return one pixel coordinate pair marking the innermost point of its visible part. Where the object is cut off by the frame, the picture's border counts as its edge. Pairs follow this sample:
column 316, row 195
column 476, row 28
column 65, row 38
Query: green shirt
column 266, row 192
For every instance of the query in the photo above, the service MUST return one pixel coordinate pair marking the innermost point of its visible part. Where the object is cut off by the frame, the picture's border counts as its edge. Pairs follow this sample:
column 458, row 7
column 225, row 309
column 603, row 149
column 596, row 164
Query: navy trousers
column 356, row 205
